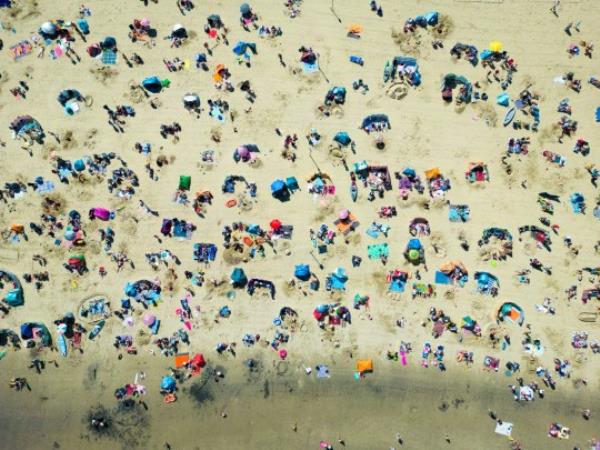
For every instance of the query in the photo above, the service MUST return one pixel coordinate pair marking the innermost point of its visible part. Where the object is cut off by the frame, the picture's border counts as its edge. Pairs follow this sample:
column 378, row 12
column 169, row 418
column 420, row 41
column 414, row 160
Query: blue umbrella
column 245, row 9
column 414, row 244
column 152, row 84
column 342, row 138
column 277, row 186
column 168, row 383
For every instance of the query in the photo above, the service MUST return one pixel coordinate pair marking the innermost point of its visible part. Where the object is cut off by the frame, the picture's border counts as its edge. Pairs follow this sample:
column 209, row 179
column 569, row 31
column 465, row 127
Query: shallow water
column 423, row 405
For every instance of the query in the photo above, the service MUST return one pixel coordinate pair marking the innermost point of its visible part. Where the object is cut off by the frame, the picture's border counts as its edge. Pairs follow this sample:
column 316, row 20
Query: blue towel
column 109, row 57
column 442, row 278
column 309, row 68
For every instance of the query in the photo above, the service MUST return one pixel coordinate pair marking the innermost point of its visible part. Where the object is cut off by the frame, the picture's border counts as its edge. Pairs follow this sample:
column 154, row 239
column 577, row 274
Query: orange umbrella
column 355, row 29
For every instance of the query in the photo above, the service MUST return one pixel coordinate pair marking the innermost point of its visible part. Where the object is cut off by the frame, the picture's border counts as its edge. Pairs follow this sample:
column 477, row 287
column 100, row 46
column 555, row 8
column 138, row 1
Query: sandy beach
column 261, row 405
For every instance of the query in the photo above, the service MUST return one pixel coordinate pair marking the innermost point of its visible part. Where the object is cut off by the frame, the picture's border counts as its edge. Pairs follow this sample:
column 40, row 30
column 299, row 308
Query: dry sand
column 425, row 133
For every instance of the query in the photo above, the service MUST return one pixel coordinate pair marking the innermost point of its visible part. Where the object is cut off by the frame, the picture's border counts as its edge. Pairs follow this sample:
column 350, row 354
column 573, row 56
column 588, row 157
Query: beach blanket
column 442, row 278
column 397, row 285
column 21, row 49
column 109, row 57
column 459, row 213
column 217, row 114
column 378, row 250
column 310, row 68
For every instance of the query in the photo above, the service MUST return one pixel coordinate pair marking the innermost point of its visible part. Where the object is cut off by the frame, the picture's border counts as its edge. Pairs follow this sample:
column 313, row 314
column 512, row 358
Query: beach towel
column 442, row 278
column 109, row 57
column 21, row 49
column 217, row 114
column 310, row 68
column 378, row 250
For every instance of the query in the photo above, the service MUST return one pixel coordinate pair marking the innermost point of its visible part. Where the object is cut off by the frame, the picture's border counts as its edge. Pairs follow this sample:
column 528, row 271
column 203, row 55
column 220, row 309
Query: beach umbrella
column 277, row 186
column 168, row 383
column 245, row 9
column 322, row 309
column 496, row 46
column 149, row 319
column 414, row 244
column 344, row 214
column 414, row 255
column 275, row 224
column 109, row 42
column 214, row 21
column 191, row 101
column 179, row 31
column 342, row 138
column 49, row 29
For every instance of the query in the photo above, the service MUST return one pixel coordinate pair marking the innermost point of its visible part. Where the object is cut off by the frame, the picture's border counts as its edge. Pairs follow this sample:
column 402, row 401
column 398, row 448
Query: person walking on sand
column 554, row 8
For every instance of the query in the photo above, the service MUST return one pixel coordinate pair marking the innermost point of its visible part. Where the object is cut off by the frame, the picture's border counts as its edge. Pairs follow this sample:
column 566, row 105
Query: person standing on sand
column 554, row 8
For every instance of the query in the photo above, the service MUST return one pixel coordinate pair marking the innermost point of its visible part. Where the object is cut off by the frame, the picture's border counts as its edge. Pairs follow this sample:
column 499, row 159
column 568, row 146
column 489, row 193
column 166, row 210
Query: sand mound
column 104, row 73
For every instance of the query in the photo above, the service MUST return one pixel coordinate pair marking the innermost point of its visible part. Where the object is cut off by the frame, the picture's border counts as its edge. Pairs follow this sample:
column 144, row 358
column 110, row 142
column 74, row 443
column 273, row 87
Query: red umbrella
column 275, row 224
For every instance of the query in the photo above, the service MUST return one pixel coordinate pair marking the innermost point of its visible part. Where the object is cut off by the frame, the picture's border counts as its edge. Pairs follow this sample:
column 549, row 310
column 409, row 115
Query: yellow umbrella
column 496, row 46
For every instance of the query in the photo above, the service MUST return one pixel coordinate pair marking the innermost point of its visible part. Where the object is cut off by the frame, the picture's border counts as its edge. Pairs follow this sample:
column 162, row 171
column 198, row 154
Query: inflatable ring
column 170, row 398
column 231, row 203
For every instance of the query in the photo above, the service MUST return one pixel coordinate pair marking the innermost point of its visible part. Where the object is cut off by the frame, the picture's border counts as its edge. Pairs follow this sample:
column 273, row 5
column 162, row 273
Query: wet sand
column 423, row 406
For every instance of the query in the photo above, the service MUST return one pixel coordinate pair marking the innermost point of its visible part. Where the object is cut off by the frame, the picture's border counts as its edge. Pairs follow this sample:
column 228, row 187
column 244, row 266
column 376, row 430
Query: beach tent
column 342, row 138
column 375, row 119
column 486, row 283
column 279, row 190
column 241, row 48
column 238, row 277
column 14, row 297
column 499, row 233
column 36, row 330
column 336, row 94
column 302, row 272
column 511, row 312
column 154, row 84
column 391, row 67
column 452, row 81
